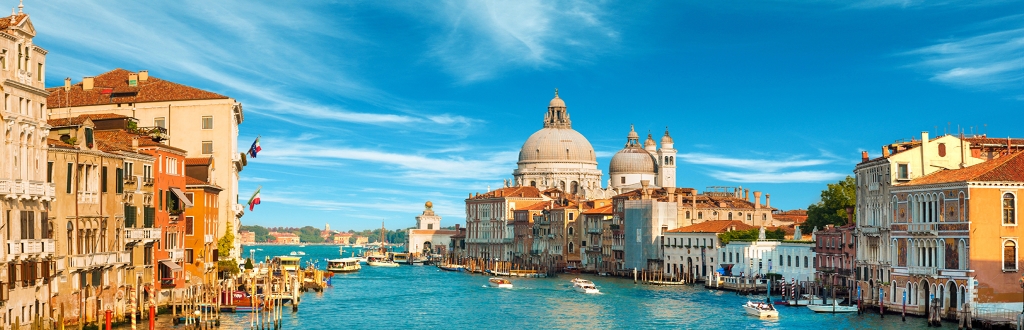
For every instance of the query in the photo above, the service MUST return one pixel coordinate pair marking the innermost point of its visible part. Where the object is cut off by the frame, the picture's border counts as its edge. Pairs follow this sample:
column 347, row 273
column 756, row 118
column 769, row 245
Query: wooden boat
column 761, row 309
column 452, row 267
column 241, row 301
column 380, row 262
column 835, row 307
column 497, row 282
column 381, row 257
column 343, row 265
column 584, row 286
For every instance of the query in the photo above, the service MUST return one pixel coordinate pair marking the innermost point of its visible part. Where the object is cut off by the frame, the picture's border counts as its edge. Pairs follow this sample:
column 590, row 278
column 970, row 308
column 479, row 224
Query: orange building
column 170, row 200
column 955, row 238
column 201, row 222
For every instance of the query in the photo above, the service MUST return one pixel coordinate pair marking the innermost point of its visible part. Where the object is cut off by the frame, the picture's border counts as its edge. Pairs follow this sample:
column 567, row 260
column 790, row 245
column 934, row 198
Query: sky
column 368, row 109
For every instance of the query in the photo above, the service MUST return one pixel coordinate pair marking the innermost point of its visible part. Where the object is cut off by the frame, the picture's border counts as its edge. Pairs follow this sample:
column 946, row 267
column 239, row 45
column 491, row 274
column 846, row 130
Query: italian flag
column 255, row 199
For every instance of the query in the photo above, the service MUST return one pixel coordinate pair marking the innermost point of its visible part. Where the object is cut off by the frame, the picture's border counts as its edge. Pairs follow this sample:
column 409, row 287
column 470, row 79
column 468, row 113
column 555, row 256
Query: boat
column 835, row 307
column 240, row 301
column 584, row 286
column 380, row 262
column 498, row 282
column 302, row 246
column 297, row 253
column 761, row 309
column 402, row 258
column 809, row 299
column 452, row 267
column 288, row 263
column 343, row 265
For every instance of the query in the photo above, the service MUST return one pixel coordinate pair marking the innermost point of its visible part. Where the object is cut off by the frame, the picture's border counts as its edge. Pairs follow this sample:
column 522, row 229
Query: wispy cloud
column 992, row 59
column 484, row 38
column 753, row 170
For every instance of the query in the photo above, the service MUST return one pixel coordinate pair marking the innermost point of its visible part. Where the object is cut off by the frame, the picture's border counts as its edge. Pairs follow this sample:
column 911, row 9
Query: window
column 571, row 248
column 687, row 214
column 39, row 71
column 188, row 256
column 103, row 179
column 118, row 176
column 3, row 59
column 160, row 122
column 191, row 197
column 622, row 180
column 902, row 172
column 147, row 172
column 70, row 168
column 571, row 215
column 49, row 172
column 189, row 226
column 1010, row 255
column 1009, row 216
column 207, row 147
column 207, row 122
column 129, row 168
column 700, row 215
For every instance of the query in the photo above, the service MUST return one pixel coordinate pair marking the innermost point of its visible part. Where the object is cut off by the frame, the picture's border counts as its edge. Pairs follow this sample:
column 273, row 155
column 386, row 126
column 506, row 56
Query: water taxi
column 584, row 286
column 761, row 309
column 499, row 283
column 287, row 263
column 835, row 307
column 344, row 265
column 380, row 262
column 451, row 267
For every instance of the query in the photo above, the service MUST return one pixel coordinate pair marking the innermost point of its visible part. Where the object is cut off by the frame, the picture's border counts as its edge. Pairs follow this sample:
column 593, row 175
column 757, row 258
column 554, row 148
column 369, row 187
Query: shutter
column 119, row 180
column 103, row 179
column 129, row 222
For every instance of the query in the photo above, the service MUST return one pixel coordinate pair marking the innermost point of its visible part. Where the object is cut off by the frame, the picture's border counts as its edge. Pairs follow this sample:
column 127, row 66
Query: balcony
column 923, row 228
column 96, row 260
column 176, row 255
column 6, row 187
column 594, row 248
column 208, row 238
column 156, row 132
column 593, row 230
column 141, row 234
column 88, row 197
column 147, row 181
column 36, row 188
column 42, row 247
column 167, row 283
column 923, row 271
column 617, row 247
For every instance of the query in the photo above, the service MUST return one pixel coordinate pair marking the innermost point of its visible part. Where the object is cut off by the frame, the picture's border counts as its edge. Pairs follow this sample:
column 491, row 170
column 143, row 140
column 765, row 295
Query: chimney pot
column 143, row 75
column 67, row 84
column 87, row 83
column 768, row 200
column 757, row 199
column 864, row 156
column 885, row 151
column 133, row 79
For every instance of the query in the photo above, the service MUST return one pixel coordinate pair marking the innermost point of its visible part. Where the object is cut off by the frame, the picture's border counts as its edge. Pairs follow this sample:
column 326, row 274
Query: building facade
column 428, row 237
column 489, row 220
column 835, row 250
column 200, row 225
column 690, row 251
column 201, row 123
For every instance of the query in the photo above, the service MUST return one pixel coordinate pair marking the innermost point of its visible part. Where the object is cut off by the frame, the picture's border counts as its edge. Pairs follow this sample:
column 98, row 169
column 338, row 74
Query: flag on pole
column 255, row 199
column 255, row 147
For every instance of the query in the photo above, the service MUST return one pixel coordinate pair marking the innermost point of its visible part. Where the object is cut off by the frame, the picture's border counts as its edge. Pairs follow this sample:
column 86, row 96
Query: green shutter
column 119, row 177
column 103, row 179
column 160, row 196
column 149, row 215
column 70, row 166
column 129, row 216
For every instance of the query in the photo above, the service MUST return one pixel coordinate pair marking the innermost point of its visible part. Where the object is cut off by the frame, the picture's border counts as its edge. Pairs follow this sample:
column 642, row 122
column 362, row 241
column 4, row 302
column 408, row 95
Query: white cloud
column 756, row 170
column 991, row 59
column 777, row 177
column 763, row 165
column 484, row 38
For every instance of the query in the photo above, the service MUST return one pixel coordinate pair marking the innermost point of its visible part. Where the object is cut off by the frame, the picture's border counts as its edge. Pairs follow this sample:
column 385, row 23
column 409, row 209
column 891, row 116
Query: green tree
column 310, row 234
column 226, row 243
column 831, row 210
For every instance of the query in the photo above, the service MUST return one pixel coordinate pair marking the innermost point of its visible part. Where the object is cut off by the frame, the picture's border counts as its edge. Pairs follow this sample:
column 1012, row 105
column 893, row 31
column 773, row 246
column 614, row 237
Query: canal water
column 424, row 297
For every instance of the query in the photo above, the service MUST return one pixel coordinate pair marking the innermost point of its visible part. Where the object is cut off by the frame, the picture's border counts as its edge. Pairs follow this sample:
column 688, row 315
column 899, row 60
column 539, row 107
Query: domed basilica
column 558, row 156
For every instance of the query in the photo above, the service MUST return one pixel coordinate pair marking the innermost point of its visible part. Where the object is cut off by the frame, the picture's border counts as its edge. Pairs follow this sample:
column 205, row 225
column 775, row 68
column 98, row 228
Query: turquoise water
column 423, row 297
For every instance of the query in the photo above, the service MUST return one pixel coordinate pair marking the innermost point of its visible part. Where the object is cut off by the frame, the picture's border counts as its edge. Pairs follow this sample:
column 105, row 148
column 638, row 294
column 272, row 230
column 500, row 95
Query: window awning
column 170, row 264
column 181, row 196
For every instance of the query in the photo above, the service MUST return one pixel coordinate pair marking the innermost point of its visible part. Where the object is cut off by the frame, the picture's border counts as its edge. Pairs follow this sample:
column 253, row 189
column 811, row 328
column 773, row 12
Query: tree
column 226, row 243
column 831, row 210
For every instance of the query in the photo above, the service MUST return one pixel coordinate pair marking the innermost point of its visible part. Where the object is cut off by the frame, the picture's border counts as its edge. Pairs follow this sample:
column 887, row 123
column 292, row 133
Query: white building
column 789, row 259
column 690, row 251
column 428, row 237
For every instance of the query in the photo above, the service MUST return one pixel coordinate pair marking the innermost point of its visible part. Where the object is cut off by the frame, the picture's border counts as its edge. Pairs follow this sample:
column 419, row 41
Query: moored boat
column 835, row 307
column 452, row 267
column 343, row 265
column 584, row 286
column 287, row 263
column 380, row 262
column 499, row 283
column 761, row 309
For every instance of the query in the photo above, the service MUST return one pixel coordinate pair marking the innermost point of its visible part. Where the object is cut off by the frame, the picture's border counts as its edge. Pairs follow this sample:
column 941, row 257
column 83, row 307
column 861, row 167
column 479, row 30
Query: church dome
column 632, row 160
column 557, row 145
column 556, row 102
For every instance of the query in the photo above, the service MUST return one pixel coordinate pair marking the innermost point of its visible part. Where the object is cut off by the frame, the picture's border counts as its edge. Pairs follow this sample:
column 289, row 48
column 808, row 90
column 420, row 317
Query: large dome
column 557, row 145
column 632, row 160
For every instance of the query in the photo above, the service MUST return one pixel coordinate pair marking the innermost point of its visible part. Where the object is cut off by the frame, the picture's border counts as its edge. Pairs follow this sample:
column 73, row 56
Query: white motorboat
column 584, row 286
column 835, row 307
column 499, row 283
column 297, row 253
column 809, row 299
column 344, row 265
column 380, row 262
column 761, row 309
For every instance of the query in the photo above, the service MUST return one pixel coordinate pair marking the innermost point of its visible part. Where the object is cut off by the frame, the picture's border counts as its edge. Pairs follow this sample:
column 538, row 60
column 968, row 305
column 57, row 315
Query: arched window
column 730, row 215
column 687, row 214
column 1009, row 255
column 789, row 261
column 1009, row 215
column 805, row 262
column 570, row 232
column 764, row 217
column 575, row 187
column 533, row 183
column 571, row 248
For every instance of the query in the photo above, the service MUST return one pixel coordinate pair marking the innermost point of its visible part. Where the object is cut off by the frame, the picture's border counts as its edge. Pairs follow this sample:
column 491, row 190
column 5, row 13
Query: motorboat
column 287, row 263
column 835, row 307
column 584, row 286
column 497, row 282
column 452, row 267
column 380, row 262
column 297, row 253
column 241, row 301
column 343, row 265
column 809, row 299
column 761, row 309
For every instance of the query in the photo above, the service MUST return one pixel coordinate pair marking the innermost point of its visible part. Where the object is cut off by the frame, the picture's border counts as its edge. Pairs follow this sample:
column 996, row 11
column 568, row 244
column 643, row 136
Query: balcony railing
column 29, row 246
column 176, row 255
column 923, row 228
column 6, row 186
column 102, row 259
column 617, row 247
column 594, row 248
column 142, row 234
column 593, row 230
column 88, row 197
column 155, row 132
column 167, row 283
column 924, row 271
column 37, row 188
column 208, row 238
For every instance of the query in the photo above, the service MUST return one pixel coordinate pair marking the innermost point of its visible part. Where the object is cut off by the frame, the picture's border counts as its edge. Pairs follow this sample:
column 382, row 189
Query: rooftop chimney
column 87, row 84
column 885, row 151
column 757, row 199
column 746, row 194
column 133, row 79
column 67, row 84
column 864, row 156
column 143, row 75
column 768, row 200
column 925, row 153
column 135, row 143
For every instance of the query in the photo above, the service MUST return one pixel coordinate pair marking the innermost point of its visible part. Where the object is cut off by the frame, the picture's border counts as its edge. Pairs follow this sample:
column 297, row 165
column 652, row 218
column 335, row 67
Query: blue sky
column 368, row 109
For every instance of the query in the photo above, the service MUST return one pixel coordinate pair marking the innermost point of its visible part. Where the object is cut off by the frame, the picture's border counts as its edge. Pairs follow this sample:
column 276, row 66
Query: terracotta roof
column 54, row 143
column 607, row 209
column 796, row 216
column 116, row 140
column 717, row 226
column 190, row 181
column 978, row 140
column 525, row 192
column 5, row 22
column 198, row 161
column 532, row 207
column 112, row 88
column 1006, row 168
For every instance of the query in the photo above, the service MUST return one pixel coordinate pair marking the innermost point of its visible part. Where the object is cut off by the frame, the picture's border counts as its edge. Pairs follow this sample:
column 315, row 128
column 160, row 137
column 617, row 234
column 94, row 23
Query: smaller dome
column 556, row 102
column 632, row 160
column 632, row 135
column 649, row 143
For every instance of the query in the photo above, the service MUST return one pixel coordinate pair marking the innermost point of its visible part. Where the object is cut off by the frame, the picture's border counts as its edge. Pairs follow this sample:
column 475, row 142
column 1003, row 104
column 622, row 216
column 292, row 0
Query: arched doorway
column 427, row 247
column 922, row 298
